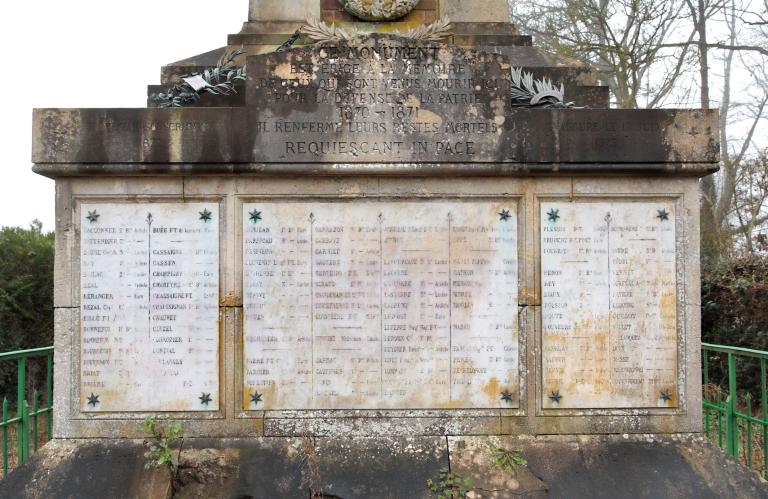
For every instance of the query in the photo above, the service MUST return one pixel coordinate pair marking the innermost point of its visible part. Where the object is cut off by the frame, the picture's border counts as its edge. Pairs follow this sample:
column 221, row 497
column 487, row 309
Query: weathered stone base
column 614, row 467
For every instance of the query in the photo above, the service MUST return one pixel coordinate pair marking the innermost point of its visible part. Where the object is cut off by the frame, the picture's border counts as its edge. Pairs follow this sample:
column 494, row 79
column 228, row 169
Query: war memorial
column 375, row 257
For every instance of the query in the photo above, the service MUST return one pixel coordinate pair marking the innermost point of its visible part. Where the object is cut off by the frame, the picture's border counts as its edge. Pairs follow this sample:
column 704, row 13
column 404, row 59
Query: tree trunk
column 710, row 230
column 701, row 28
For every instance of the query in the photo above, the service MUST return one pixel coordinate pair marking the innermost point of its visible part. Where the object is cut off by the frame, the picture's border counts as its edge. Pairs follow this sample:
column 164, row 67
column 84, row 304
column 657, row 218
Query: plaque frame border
column 525, row 330
column 681, row 253
column 76, row 412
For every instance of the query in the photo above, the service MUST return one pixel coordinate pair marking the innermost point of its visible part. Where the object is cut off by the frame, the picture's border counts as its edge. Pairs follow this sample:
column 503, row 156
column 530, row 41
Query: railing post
column 731, row 423
column 719, row 419
column 26, row 431
column 706, row 384
column 34, row 419
column 21, row 428
column 5, row 437
column 748, row 435
column 49, row 398
column 764, row 401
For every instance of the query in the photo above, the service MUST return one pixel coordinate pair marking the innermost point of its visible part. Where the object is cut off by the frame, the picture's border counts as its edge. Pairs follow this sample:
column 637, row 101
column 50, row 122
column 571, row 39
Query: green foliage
column 160, row 448
column 450, row 485
column 26, row 300
column 506, row 459
column 220, row 80
column 734, row 312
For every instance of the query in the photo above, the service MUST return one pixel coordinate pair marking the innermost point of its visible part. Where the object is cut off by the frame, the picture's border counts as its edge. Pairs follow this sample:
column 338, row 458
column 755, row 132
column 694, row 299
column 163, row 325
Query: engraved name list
column 380, row 305
column 149, row 307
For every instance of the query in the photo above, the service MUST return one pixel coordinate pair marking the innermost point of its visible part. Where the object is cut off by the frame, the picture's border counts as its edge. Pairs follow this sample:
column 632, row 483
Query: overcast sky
column 100, row 53
column 88, row 53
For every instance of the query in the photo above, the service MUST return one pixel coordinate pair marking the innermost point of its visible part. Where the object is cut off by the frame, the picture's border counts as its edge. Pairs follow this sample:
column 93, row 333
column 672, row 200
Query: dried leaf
column 435, row 32
column 320, row 31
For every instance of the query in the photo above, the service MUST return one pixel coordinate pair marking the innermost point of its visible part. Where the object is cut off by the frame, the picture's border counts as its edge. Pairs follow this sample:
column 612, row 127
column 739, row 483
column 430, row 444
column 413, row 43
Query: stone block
column 66, row 289
column 474, row 458
column 277, row 10
column 455, row 424
column 487, row 11
column 534, row 141
column 573, row 467
column 379, row 467
column 65, row 320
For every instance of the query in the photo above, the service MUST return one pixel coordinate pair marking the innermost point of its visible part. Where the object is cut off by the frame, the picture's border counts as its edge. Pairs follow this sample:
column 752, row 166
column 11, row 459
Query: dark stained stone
column 584, row 137
column 351, row 468
column 85, row 471
column 492, row 40
column 380, row 468
column 603, row 467
column 190, row 65
column 273, row 467
column 588, row 96
column 382, row 98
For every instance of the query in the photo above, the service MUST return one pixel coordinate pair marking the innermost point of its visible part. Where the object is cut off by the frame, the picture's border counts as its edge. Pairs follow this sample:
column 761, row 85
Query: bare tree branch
column 722, row 46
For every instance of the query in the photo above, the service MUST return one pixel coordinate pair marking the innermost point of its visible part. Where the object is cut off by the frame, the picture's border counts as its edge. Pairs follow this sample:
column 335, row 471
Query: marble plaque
column 376, row 305
column 609, row 304
column 149, row 307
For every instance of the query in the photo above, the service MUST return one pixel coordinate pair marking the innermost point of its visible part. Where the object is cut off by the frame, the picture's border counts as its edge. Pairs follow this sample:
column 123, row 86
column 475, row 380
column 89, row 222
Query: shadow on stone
column 570, row 467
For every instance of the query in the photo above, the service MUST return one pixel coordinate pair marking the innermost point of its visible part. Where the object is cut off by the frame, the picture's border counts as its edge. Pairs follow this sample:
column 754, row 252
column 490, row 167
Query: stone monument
column 370, row 239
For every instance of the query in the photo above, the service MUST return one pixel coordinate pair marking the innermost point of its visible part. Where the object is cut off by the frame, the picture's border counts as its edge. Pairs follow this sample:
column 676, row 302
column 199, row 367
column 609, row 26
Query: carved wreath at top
column 378, row 10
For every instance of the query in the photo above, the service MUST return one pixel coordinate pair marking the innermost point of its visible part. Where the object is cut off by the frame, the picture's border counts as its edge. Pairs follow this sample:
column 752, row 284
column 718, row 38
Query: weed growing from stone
column 506, row 459
column 450, row 485
column 160, row 445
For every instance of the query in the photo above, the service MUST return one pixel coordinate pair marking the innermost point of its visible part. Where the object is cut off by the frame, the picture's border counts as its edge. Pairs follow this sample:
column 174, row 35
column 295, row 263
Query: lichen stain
column 350, row 189
column 445, row 55
column 593, row 384
column 499, row 107
column 58, row 130
column 425, row 115
column 493, row 390
column 229, row 300
column 689, row 136
column 269, row 396
column 586, row 78
column 301, row 77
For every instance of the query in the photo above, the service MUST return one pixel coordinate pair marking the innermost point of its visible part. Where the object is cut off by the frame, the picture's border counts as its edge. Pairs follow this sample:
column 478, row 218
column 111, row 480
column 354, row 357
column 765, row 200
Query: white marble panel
column 609, row 304
column 149, row 307
column 367, row 305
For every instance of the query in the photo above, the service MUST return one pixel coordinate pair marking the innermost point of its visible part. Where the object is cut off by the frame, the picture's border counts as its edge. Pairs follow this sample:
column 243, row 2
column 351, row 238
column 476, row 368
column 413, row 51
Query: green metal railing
column 26, row 421
column 730, row 418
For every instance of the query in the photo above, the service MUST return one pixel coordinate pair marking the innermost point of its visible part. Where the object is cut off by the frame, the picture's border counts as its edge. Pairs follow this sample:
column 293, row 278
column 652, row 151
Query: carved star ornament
column 93, row 216
column 555, row 396
column 205, row 215
column 507, row 396
column 93, row 400
column 256, row 397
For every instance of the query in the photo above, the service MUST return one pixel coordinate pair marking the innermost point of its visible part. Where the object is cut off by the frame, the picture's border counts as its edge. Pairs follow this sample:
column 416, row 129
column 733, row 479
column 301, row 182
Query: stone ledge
column 56, row 170
column 220, row 135
column 616, row 467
